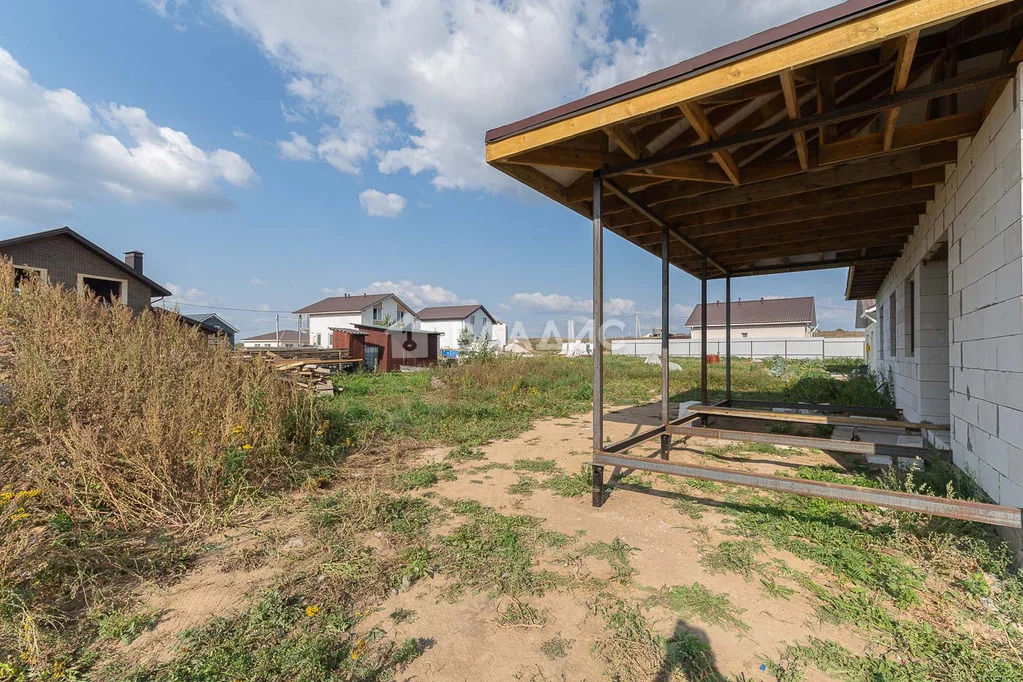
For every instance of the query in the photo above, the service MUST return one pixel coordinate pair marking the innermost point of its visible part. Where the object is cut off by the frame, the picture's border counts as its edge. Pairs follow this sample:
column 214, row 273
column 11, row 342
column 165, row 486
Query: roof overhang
column 814, row 145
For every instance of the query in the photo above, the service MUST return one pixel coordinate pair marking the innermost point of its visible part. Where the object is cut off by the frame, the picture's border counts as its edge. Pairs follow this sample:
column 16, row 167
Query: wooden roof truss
column 824, row 164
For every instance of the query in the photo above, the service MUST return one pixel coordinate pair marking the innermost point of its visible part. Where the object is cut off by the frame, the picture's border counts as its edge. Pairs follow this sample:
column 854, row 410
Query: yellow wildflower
column 312, row 610
column 319, row 432
column 246, row 447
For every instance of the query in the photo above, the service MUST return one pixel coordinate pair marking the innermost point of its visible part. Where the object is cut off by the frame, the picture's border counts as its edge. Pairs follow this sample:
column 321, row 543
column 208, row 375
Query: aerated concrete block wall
column 967, row 368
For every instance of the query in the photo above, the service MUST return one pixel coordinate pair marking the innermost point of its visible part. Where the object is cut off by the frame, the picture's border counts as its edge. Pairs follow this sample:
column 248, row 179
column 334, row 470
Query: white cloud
column 186, row 295
column 413, row 84
column 257, row 282
column 680, row 310
column 415, row 295
column 298, row 148
column 164, row 8
column 559, row 303
column 376, row 203
column 57, row 150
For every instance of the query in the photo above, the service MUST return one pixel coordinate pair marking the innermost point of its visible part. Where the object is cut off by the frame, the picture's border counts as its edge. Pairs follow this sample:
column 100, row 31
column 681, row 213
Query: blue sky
column 264, row 157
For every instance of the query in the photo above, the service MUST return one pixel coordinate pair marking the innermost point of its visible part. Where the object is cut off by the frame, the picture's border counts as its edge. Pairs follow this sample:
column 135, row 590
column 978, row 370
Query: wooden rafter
column 834, row 176
column 788, row 88
column 903, row 66
column 626, row 141
column 906, row 137
column 969, row 81
column 705, row 129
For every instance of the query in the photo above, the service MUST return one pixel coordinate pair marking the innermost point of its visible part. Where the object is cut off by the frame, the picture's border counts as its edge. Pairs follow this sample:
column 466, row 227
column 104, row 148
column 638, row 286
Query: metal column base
column 598, row 485
column 665, row 445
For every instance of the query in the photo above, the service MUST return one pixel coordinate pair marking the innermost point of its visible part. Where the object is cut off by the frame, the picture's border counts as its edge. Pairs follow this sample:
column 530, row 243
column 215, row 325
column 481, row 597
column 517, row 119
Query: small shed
column 387, row 349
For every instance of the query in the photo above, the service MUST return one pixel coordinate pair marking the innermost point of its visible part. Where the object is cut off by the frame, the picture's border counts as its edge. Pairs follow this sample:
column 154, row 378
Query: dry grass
column 122, row 437
column 135, row 417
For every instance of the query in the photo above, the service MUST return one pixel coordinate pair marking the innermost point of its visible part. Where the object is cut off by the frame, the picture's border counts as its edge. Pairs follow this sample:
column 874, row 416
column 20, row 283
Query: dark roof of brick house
column 286, row 335
column 348, row 303
column 452, row 312
column 157, row 289
column 761, row 311
column 205, row 318
column 187, row 320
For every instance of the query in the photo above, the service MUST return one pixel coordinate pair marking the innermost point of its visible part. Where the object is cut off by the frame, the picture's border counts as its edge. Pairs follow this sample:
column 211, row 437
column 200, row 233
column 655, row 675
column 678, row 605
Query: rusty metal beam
column 856, row 447
column 993, row 514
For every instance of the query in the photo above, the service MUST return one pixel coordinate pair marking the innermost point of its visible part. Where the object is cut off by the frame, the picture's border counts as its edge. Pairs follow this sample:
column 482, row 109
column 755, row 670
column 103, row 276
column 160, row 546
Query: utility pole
column 637, row 325
column 277, row 329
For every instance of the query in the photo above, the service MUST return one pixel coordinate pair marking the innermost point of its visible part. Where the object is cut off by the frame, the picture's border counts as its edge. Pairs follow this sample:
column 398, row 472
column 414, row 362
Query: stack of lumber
column 308, row 367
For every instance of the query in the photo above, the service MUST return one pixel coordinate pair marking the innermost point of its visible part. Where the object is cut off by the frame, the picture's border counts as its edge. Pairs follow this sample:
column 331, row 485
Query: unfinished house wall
column 967, row 366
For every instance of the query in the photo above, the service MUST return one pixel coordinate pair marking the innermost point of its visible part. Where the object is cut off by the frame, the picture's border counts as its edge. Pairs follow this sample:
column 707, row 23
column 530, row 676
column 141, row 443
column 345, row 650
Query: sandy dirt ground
column 465, row 640
column 466, row 643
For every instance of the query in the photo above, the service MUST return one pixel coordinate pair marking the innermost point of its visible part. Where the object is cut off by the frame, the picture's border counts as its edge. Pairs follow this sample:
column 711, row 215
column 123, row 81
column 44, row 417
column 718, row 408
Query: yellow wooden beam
column 906, row 137
column 857, row 33
column 697, row 118
column 788, row 88
column 903, row 64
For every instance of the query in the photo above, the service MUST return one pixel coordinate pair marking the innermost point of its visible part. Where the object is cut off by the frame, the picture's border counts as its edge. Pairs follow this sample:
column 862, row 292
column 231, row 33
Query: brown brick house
column 64, row 257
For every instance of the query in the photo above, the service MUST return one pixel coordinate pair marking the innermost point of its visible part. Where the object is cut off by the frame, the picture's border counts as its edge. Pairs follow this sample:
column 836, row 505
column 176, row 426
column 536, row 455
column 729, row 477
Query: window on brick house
column 22, row 273
column 893, row 339
column 910, row 309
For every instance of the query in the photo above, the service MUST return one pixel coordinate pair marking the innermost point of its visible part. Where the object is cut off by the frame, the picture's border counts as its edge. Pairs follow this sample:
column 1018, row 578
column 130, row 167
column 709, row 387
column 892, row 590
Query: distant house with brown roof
column 770, row 318
column 450, row 320
column 64, row 257
column 352, row 309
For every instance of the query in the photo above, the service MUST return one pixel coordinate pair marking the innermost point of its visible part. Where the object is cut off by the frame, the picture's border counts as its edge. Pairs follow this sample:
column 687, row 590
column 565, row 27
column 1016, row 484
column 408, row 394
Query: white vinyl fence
column 754, row 349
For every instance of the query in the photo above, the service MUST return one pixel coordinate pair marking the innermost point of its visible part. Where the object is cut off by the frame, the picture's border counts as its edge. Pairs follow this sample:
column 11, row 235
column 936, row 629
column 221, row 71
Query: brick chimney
column 134, row 260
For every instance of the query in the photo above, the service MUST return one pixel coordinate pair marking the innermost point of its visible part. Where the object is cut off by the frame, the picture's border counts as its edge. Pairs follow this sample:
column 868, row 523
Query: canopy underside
column 825, row 162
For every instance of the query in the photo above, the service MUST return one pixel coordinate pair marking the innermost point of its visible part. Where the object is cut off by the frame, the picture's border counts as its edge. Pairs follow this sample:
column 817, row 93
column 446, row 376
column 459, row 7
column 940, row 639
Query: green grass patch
column 425, row 476
column 632, row 652
column 538, row 465
column 464, row 453
column 556, row 647
column 734, row 556
column 773, row 588
column 570, row 485
column 524, row 486
column 282, row 638
column 494, row 553
column 126, row 627
column 696, row 601
column 617, row 554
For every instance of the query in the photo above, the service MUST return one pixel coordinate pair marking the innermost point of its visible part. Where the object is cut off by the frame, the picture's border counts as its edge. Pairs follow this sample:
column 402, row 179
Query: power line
column 224, row 307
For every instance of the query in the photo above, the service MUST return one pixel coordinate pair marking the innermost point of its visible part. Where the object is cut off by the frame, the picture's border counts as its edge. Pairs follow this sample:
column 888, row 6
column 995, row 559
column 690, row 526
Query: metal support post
column 728, row 339
column 598, row 485
column 703, row 337
column 665, row 343
column 598, row 336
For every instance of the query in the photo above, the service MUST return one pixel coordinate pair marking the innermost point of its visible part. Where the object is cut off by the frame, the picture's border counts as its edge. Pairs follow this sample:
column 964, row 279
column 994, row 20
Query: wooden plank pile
column 308, row 367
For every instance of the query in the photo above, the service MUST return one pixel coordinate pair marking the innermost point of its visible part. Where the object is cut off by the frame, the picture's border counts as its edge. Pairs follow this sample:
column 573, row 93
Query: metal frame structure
column 813, row 145
column 612, row 454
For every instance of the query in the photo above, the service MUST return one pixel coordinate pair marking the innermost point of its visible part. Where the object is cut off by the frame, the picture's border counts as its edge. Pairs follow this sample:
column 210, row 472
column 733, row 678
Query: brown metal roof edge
column 771, row 37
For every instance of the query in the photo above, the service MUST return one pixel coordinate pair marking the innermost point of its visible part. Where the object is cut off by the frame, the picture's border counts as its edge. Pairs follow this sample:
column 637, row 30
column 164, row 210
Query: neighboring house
column 450, row 320
column 350, row 310
column 212, row 323
column 287, row 338
column 772, row 318
column 386, row 348
column 212, row 333
column 866, row 319
column 64, row 257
